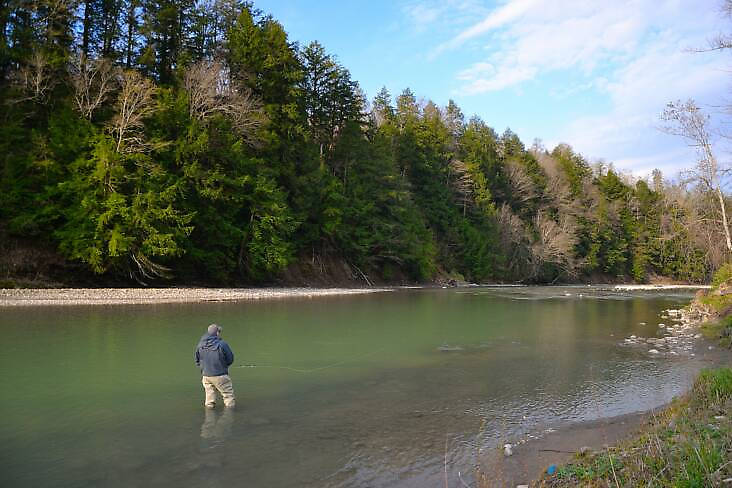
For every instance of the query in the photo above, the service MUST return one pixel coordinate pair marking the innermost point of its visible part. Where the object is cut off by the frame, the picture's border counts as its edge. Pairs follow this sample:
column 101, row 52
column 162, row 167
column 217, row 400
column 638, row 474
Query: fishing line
column 313, row 370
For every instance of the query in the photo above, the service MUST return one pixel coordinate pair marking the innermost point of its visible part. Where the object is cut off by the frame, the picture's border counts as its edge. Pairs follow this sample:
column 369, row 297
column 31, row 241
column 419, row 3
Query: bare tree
column 688, row 121
column 35, row 79
column 555, row 244
column 212, row 91
column 135, row 103
column 521, row 183
column 462, row 183
column 720, row 41
column 93, row 81
column 514, row 239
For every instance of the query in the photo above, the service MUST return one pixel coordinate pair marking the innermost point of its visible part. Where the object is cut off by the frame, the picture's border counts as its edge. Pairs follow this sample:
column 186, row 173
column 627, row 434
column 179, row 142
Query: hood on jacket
column 209, row 342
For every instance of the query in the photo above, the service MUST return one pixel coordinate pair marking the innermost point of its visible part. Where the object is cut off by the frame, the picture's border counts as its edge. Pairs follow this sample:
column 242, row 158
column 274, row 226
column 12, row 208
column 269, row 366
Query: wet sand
column 132, row 296
column 530, row 460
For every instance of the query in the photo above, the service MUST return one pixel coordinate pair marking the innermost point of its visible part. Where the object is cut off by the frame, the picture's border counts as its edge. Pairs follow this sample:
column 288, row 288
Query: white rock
column 507, row 450
column 653, row 351
column 698, row 336
column 662, row 325
column 632, row 337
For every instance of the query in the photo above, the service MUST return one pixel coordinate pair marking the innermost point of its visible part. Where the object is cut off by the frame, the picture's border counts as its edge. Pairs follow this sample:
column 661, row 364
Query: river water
column 374, row 390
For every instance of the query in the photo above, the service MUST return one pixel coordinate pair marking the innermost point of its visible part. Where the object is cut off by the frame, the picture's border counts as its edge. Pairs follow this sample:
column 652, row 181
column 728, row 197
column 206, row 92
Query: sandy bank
column 131, row 296
column 531, row 459
column 661, row 287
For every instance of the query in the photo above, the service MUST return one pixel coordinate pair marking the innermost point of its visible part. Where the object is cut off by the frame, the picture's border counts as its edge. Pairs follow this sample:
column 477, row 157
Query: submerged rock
column 507, row 451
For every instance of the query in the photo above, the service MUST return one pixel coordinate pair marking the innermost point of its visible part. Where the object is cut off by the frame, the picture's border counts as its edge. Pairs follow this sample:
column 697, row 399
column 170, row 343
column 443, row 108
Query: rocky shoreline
column 677, row 333
column 135, row 296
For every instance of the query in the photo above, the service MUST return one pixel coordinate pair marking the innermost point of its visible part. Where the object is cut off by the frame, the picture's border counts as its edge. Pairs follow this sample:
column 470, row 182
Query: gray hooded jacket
column 213, row 355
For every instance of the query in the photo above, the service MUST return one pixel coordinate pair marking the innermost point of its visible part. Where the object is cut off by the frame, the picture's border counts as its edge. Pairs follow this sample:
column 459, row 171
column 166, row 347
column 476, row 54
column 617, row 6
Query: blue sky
column 593, row 74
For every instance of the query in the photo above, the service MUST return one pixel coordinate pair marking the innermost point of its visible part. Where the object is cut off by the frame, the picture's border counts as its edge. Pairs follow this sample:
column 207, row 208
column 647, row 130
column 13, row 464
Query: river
column 374, row 390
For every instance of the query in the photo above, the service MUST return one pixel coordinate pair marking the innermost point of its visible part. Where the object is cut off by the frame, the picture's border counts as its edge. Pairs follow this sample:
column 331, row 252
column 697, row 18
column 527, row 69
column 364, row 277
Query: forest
column 181, row 141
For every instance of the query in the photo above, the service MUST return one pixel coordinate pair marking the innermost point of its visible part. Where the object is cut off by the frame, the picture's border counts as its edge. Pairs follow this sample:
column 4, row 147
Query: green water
column 345, row 391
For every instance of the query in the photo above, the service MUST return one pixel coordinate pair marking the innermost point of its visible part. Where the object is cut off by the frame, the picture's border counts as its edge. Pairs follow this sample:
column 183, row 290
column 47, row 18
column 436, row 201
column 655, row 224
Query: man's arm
column 197, row 357
column 228, row 354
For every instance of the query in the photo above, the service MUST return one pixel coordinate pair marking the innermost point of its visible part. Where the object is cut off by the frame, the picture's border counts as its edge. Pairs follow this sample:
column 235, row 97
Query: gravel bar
column 132, row 296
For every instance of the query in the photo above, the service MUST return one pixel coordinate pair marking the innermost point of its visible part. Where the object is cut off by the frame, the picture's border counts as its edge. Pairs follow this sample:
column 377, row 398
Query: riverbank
column 587, row 446
column 686, row 444
column 132, row 296
column 581, row 450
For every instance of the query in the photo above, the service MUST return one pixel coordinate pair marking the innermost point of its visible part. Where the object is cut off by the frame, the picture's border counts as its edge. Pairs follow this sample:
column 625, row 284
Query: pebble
column 125, row 296
column 653, row 351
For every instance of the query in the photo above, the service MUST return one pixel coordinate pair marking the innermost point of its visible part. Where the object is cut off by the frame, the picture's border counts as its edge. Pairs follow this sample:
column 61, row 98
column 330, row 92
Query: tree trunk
column 724, row 219
column 86, row 35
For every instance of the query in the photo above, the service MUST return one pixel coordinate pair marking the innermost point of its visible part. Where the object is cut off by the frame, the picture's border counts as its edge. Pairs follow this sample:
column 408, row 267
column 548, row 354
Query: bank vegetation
column 181, row 141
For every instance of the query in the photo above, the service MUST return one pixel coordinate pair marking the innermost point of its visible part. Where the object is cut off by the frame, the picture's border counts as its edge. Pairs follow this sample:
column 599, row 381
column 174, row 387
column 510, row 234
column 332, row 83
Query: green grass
column 688, row 445
column 720, row 330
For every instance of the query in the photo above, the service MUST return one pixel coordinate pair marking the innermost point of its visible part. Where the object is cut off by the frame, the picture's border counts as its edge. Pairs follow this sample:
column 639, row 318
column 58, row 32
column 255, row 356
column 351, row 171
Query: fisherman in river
column 214, row 356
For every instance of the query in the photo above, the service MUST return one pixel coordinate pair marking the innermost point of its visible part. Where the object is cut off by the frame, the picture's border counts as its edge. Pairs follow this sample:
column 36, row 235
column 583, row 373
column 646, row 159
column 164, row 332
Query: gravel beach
column 130, row 296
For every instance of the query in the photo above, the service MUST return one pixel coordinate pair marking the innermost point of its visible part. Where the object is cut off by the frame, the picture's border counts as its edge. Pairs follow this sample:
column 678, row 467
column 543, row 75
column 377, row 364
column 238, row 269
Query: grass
column 720, row 330
column 688, row 445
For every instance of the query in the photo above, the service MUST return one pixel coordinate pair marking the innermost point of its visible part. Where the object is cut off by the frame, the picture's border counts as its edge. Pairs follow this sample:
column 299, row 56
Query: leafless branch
column 135, row 103
column 686, row 120
column 521, row 183
column 92, row 81
column 212, row 91
column 35, row 79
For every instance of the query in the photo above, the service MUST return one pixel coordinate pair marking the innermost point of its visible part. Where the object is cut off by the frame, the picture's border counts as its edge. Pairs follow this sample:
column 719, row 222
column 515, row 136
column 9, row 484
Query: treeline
column 192, row 139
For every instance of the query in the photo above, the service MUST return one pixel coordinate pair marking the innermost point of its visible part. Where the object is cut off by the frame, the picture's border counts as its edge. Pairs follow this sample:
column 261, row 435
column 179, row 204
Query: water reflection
column 216, row 427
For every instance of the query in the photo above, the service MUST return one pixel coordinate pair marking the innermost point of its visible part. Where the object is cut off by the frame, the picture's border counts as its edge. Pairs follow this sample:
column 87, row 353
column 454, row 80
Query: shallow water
column 370, row 390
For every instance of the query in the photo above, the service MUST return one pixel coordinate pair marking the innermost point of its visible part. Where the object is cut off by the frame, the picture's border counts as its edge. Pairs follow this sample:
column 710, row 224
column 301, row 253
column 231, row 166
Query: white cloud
column 424, row 14
column 629, row 56
column 503, row 78
column 629, row 131
column 497, row 18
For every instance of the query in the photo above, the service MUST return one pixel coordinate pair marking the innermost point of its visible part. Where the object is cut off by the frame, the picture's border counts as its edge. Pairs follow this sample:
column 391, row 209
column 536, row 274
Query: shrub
column 722, row 275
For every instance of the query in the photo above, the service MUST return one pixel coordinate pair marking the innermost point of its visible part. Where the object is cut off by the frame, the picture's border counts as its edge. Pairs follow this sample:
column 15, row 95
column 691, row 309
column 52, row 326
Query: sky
column 593, row 74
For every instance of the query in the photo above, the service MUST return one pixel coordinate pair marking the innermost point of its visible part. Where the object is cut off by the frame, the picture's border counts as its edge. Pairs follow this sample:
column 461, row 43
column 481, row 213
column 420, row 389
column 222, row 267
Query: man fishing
column 214, row 356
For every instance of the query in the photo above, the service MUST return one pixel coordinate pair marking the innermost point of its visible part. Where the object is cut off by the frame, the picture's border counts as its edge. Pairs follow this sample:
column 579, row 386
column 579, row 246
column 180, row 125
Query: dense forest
column 183, row 141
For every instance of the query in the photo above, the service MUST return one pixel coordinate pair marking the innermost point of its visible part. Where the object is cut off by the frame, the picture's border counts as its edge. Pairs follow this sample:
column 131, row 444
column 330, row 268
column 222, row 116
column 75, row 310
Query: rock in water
column 653, row 351
column 507, row 450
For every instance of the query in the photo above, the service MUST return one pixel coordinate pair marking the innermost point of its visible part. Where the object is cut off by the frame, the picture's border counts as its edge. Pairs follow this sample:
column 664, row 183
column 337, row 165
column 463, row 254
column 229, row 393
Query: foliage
column 722, row 275
column 193, row 139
